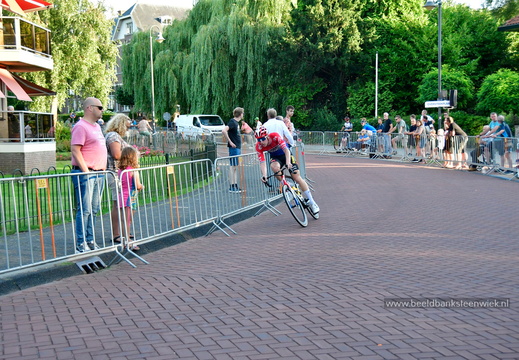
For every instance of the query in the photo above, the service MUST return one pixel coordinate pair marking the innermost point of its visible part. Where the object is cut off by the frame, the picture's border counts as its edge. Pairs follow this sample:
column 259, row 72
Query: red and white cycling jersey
column 276, row 148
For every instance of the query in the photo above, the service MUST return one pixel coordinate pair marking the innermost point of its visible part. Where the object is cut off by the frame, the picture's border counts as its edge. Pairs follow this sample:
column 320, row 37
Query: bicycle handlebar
column 280, row 172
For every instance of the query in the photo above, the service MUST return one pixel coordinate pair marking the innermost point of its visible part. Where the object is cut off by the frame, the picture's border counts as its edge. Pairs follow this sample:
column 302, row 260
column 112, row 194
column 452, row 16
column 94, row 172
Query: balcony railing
column 26, row 126
column 20, row 34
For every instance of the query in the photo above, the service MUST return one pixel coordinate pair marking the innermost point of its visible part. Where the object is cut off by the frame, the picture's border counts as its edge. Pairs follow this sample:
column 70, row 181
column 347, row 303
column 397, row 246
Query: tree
column 500, row 93
column 216, row 59
column 123, row 97
column 321, row 38
column 83, row 53
column 451, row 79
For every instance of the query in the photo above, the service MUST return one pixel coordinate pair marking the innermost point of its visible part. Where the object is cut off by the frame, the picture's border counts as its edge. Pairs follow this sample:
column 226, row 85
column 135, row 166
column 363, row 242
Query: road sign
column 438, row 104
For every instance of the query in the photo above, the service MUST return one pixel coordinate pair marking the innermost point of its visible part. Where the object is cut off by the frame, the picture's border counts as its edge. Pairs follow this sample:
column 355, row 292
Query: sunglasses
column 262, row 139
column 97, row 106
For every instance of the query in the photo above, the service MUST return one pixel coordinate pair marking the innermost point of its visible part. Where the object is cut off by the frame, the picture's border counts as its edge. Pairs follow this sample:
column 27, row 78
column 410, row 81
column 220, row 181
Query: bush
column 325, row 120
column 471, row 124
column 499, row 92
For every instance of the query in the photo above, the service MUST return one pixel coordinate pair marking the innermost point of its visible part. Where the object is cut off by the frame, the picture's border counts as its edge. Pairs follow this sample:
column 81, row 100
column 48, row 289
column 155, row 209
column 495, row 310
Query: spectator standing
column 13, row 124
column 387, row 129
column 428, row 118
column 420, row 140
column 245, row 128
column 247, row 131
column 89, row 155
column 289, row 112
column 400, row 128
column 428, row 123
column 257, row 122
column 145, row 130
column 231, row 133
column 379, row 145
column 275, row 125
column 458, row 139
column 346, row 129
column 28, row 131
column 410, row 133
column 502, row 135
column 130, row 186
column 116, row 129
column 493, row 121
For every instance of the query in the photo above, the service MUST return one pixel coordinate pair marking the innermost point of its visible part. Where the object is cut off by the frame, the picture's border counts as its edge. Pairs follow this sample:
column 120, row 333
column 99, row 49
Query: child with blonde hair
column 130, row 186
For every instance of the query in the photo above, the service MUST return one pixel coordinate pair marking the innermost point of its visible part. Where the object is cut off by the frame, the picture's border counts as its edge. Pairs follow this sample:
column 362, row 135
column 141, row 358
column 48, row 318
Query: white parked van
column 193, row 125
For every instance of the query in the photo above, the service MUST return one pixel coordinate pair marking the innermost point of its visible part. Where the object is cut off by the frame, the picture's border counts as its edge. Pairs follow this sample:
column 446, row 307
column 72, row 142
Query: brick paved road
column 386, row 230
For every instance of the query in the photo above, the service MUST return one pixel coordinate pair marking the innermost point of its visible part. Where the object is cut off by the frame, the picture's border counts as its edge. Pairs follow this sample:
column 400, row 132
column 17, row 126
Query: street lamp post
column 429, row 5
column 159, row 39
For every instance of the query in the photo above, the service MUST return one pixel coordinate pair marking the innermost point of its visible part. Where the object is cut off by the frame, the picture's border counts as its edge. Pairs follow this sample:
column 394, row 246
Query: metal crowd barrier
column 36, row 234
column 175, row 197
column 500, row 156
column 314, row 141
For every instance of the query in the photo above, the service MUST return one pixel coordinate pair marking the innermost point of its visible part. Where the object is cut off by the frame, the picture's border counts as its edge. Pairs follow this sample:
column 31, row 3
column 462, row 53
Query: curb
column 45, row 274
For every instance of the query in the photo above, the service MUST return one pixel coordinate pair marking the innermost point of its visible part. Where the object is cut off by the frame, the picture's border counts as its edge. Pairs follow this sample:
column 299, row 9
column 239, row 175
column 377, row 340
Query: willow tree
column 216, row 59
column 322, row 36
column 83, row 53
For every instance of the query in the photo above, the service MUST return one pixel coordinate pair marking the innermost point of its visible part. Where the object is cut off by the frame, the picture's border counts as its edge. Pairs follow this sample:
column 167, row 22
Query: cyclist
column 346, row 130
column 279, row 157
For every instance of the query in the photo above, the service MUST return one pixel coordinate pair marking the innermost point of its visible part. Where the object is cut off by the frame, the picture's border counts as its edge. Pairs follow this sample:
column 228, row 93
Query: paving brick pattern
column 280, row 291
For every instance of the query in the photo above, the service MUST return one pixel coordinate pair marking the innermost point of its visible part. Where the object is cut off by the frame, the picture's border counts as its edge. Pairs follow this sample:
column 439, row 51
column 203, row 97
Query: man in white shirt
column 274, row 125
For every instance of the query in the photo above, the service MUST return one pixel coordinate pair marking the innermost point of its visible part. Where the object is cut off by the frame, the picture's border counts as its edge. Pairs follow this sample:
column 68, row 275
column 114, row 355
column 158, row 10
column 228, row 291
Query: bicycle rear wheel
column 295, row 206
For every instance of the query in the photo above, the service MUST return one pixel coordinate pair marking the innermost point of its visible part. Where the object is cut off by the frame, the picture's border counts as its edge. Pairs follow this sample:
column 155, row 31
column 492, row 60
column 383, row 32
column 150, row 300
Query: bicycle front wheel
column 295, row 206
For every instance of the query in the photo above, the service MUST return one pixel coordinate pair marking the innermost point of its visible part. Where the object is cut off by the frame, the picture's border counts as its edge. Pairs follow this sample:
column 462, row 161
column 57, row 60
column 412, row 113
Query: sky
column 125, row 4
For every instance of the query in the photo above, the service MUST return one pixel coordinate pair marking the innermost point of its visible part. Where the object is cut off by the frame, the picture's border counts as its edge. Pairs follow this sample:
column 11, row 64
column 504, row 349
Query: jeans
column 88, row 190
column 387, row 144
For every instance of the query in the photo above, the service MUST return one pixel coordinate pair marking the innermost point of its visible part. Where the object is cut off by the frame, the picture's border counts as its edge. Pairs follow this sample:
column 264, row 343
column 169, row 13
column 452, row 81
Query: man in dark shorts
column 232, row 134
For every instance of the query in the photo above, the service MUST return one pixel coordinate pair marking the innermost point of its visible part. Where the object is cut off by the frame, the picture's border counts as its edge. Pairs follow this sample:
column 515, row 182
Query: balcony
column 24, row 46
column 27, row 141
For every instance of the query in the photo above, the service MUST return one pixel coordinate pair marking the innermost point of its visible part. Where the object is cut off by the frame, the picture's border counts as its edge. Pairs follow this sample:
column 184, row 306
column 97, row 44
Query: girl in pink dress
column 130, row 186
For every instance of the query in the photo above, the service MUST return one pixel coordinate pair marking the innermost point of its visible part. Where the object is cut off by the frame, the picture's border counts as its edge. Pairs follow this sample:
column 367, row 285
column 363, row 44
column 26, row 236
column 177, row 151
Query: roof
column 510, row 25
column 145, row 14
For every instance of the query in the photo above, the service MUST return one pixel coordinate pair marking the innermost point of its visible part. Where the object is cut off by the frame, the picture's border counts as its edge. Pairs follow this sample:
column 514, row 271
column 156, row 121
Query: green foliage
column 215, row 60
column 451, row 79
column 123, row 97
column 298, row 96
column 83, row 53
column 325, row 120
column 63, row 136
column 317, row 55
column 62, row 132
column 499, row 92
column 471, row 124
column 361, row 100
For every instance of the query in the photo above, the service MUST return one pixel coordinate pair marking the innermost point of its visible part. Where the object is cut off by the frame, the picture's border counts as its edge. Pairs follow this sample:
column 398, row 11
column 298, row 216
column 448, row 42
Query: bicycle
column 293, row 197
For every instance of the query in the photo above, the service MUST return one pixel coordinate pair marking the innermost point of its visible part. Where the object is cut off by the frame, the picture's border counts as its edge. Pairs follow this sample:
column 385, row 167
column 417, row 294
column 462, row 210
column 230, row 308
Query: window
column 129, row 28
column 166, row 20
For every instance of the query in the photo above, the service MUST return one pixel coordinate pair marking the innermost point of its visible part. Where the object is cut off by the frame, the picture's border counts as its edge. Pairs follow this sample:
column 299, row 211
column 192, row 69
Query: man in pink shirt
column 89, row 155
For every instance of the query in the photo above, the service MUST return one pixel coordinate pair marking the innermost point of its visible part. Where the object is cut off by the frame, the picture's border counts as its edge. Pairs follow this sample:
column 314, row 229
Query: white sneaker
column 315, row 208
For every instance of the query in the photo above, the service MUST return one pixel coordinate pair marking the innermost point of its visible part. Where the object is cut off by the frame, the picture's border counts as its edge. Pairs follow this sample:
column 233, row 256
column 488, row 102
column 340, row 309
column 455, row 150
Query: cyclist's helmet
column 261, row 132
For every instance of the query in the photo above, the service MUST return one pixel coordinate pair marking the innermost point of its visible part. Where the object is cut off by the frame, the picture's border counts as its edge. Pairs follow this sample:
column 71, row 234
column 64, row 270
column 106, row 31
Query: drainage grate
column 91, row 265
